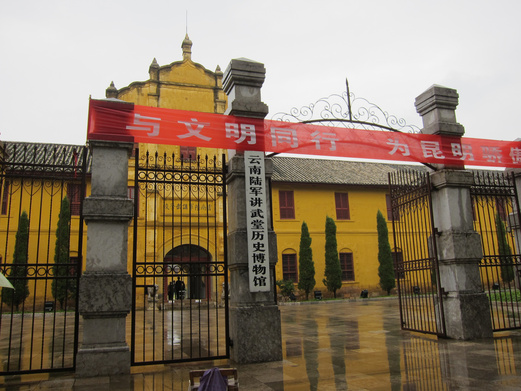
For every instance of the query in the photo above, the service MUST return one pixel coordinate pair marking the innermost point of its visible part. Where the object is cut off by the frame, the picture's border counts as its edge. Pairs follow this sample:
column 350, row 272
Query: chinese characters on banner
column 257, row 222
column 120, row 121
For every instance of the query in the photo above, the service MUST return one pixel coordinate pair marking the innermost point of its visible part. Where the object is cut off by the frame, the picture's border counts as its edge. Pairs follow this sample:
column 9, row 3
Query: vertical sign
column 257, row 222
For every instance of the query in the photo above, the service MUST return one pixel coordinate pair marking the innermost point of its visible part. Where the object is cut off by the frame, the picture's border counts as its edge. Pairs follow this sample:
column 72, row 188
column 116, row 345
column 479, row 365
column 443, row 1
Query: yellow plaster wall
column 182, row 85
column 41, row 200
column 357, row 235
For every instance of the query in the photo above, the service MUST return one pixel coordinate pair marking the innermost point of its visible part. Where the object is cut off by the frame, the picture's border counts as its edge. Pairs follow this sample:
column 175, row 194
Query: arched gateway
column 189, row 278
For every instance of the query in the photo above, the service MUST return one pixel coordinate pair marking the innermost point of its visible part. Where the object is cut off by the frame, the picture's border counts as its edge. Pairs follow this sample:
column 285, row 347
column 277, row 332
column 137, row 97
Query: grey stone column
column 466, row 308
column 255, row 325
column 105, row 286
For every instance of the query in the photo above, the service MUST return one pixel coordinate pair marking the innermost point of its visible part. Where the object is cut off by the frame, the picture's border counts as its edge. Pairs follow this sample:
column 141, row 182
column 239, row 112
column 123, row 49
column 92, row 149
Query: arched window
column 398, row 263
column 347, row 265
column 289, row 265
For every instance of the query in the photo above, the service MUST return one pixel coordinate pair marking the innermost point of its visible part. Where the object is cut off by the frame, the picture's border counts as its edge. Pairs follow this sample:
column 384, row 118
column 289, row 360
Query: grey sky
column 54, row 54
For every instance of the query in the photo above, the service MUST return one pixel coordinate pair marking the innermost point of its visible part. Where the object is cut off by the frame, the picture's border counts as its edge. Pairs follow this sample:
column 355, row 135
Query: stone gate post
column 466, row 308
column 255, row 328
column 105, row 286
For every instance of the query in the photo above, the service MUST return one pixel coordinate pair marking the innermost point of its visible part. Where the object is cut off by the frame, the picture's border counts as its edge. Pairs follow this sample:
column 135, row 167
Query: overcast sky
column 55, row 54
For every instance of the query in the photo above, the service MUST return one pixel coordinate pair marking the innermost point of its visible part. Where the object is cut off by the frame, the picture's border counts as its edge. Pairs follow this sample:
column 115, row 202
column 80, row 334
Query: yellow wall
column 357, row 235
column 181, row 85
column 41, row 200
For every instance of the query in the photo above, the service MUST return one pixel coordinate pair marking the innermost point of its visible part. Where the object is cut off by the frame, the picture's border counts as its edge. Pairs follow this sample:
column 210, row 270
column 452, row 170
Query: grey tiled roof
column 337, row 172
column 44, row 157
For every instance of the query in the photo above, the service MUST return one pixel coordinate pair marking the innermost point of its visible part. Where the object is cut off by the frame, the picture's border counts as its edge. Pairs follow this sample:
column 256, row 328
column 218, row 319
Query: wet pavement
column 335, row 345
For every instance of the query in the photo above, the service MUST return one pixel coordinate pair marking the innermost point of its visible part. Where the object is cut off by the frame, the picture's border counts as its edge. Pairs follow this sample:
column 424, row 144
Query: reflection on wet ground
column 336, row 345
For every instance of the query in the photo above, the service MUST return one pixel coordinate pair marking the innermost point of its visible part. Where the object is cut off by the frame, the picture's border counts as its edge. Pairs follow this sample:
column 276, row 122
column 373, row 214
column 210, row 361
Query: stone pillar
column 255, row 326
column 466, row 308
column 105, row 286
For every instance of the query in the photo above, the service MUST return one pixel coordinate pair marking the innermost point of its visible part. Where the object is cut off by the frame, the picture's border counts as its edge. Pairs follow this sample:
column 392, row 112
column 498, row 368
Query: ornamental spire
column 111, row 91
column 187, row 48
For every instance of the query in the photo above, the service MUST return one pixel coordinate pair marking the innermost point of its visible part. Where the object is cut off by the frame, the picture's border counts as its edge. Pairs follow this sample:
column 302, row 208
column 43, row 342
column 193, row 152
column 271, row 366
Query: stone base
column 256, row 334
column 103, row 361
column 467, row 316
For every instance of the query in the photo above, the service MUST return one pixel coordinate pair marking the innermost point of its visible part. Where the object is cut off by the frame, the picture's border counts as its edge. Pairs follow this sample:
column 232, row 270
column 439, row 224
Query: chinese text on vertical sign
column 257, row 222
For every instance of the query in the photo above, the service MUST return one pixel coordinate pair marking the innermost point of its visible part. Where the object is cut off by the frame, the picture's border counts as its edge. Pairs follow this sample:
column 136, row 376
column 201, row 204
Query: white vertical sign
column 257, row 222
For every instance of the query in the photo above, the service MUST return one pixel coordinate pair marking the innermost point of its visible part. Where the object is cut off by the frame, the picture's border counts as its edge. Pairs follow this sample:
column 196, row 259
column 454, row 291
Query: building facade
column 303, row 190
column 308, row 190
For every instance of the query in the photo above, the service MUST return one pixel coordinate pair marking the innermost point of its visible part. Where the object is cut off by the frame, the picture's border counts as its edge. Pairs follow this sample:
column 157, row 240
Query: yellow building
column 178, row 225
column 308, row 190
column 34, row 180
column 302, row 190
column 181, row 85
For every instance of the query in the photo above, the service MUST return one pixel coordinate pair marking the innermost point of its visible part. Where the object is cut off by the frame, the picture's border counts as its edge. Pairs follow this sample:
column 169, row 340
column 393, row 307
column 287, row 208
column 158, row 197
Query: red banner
column 119, row 121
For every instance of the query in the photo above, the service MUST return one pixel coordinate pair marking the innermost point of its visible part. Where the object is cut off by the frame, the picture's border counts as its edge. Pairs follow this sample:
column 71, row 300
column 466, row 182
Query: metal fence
column 416, row 263
column 496, row 219
column 180, row 277
column 41, row 253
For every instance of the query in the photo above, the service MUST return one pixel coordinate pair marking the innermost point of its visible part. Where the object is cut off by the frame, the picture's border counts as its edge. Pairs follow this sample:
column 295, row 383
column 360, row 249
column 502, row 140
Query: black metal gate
column 416, row 261
column 41, row 253
column 180, row 275
column 496, row 218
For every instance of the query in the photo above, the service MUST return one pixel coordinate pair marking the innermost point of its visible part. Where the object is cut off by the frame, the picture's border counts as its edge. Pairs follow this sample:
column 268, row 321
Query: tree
column 333, row 272
column 62, row 288
column 286, row 287
column 306, row 266
column 385, row 256
column 504, row 251
column 19, row 268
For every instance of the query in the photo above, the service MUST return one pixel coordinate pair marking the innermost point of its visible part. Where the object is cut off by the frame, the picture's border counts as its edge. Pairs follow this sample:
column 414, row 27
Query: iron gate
column 496, row 219
column 41, row 253
column 416, row 261
column 180, row 277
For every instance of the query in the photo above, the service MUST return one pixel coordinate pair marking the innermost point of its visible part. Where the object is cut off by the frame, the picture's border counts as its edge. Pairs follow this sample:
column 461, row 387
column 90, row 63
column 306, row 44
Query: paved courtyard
column 335, row 345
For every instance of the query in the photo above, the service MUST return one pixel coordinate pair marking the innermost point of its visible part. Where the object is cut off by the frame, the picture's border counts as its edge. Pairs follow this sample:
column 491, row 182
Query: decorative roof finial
column 187, row 48
column 153, row 70
column 111, row 91
column 154, row 64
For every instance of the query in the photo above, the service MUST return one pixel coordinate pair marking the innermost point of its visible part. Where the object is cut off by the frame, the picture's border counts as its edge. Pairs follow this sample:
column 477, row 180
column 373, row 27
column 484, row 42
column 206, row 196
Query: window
column 342, row 206
column 74, row 196
column 390, row 209
column 347, row 266
column 501, row 208
column 398, row 264
column 289, row 267
column 287, row 206
column 188, row 153
column 5, row 198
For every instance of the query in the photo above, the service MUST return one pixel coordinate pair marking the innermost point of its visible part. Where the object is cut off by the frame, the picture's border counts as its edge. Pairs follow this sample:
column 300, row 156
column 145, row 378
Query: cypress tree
column 504, row 251
column 333, row 272
column 19, row 268
column 61, row 286
column 306, row 266
column 385, row 256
